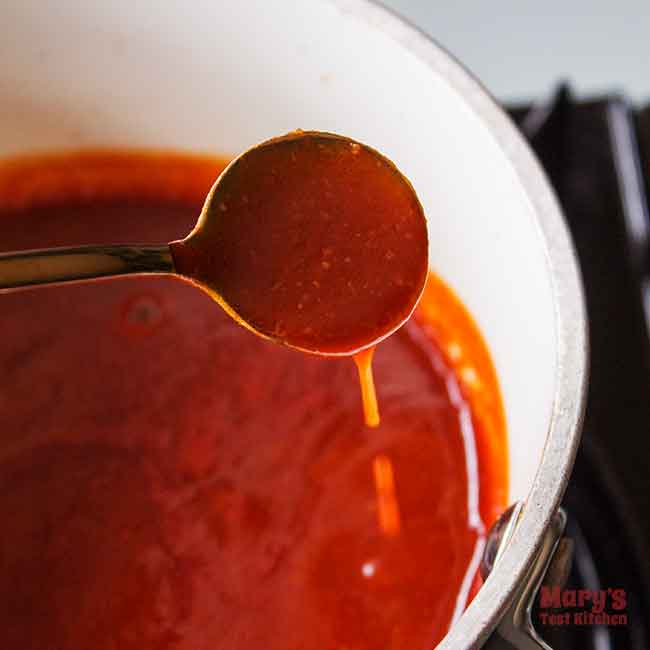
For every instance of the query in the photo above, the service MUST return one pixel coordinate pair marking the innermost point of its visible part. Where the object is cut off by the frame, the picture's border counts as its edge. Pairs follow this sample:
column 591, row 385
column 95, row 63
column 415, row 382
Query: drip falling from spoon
column 363, row 361
column 312, row 240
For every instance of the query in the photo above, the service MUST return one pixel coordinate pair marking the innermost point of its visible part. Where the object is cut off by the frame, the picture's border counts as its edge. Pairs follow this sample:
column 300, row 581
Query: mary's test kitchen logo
column 582, row 606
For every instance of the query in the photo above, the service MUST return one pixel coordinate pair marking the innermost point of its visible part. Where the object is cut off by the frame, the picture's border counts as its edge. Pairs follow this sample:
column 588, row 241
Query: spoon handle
column 31, row 268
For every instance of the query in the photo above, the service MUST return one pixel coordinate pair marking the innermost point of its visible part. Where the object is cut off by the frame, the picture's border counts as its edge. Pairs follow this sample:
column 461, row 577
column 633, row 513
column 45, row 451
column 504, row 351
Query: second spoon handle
column 31, row 268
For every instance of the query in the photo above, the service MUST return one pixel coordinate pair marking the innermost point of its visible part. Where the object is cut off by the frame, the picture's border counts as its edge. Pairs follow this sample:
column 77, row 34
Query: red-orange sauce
column 169, row 481
column 314, row 241
column 363, row 361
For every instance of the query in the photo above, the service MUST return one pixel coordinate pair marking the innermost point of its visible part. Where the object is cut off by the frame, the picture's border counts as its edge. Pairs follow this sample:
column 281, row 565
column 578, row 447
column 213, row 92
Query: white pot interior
column 219, row 76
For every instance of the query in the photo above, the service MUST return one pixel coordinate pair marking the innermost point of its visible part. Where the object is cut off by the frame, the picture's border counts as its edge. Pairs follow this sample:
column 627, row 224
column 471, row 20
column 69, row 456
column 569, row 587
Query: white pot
column 220, row 76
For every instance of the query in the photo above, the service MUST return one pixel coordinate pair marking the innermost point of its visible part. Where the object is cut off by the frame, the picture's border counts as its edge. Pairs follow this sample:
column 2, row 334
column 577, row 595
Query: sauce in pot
column 168, row 481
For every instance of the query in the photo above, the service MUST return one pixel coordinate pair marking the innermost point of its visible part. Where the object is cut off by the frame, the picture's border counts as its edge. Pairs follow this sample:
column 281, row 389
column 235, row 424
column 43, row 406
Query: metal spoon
column 311, row 239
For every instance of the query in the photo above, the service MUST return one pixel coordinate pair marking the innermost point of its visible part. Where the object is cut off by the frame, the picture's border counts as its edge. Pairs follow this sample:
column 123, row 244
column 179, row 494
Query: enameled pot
column 220, row 76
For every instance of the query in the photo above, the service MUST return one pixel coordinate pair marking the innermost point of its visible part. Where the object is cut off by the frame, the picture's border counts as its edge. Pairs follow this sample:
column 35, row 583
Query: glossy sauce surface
column 168, row 481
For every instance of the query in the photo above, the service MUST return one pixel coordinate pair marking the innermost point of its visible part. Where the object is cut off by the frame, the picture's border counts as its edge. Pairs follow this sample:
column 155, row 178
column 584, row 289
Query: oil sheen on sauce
column 169, row 481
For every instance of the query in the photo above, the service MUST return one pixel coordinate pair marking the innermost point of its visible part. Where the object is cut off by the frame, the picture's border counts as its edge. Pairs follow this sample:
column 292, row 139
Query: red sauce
column 168, row 481
column 313, row 241
column 363, row 361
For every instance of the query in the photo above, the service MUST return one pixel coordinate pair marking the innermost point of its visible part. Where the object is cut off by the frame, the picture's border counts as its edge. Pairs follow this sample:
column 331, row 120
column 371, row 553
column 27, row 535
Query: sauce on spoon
column 311, row 240
column 314, row 241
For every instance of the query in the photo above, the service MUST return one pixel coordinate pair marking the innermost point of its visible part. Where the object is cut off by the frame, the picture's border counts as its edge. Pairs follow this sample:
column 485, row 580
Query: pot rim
column 488, row 607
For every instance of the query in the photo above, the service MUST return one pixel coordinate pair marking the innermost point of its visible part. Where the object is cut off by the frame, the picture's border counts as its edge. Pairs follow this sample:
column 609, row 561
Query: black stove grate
column 597, row 156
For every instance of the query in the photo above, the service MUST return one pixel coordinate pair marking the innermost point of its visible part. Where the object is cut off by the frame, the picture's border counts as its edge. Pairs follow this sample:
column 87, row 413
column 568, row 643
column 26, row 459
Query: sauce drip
column 363, row 360
column 387, row 504
column 170, row 482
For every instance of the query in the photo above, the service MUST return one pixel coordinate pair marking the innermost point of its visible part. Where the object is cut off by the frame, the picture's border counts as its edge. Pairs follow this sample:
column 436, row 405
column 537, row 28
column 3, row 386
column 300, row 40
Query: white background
column 520, row 48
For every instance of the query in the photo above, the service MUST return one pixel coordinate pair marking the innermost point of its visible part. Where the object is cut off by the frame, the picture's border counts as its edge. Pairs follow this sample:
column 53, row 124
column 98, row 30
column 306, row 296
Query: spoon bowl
column 312, row 240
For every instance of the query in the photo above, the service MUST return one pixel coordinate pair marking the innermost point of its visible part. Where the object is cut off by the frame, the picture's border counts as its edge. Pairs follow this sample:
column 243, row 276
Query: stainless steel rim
column 563, row 437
